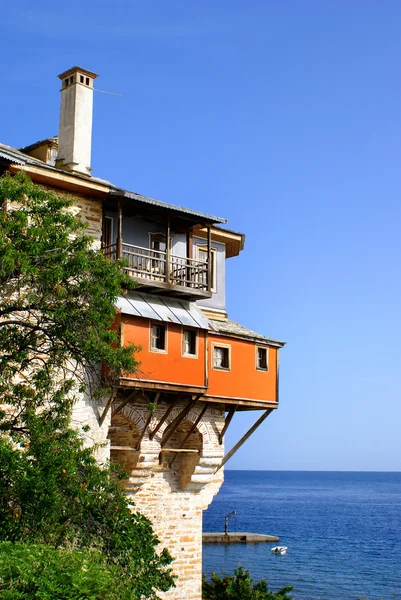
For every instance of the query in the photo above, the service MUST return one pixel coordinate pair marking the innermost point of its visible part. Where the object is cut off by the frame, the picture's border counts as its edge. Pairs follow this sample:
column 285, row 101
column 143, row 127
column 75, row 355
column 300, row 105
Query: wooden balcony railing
column 152, row 266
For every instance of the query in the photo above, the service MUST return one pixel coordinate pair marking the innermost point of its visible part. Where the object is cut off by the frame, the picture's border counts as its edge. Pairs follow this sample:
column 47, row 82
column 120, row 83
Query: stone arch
column 180, row 466
column 192, row 416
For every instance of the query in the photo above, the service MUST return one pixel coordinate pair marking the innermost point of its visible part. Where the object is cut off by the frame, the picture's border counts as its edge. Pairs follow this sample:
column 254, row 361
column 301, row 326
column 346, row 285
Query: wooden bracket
column 148, row 420
column 107, row 408
column 194, row 426
column 164, row 417
column 230, row 415
column 244, row 438
column 174, row 424
column 123, row 403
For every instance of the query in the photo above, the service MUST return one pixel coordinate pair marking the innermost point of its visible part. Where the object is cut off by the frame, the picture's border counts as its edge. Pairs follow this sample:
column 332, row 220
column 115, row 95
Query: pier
column 238, row 538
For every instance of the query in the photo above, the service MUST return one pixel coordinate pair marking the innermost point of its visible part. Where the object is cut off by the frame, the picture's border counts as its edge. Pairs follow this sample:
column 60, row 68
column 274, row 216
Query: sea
column 342, row 530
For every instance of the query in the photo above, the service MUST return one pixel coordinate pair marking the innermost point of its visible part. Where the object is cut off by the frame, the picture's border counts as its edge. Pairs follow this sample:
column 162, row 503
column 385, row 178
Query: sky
column 283, row 117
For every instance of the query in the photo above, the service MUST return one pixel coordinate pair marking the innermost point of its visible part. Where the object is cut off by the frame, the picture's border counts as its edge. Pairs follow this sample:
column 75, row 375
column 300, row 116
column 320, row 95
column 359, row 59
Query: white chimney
column 75, row 132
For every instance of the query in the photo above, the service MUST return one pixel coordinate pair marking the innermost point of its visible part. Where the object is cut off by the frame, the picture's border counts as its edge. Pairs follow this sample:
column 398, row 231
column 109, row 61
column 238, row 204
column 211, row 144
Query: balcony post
column 120, row 230
column 168, row 243
column 209, row 259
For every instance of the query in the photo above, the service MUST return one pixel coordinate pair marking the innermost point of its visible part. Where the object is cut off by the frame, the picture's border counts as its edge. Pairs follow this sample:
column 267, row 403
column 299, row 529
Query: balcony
column 156, row 270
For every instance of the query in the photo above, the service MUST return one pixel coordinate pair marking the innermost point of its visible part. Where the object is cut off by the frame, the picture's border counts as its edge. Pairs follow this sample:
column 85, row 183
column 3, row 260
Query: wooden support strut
column 244, row 438
column 107, row 408
column 120, row 230
column 148, row 420
column 168, row 250
column 164, row 417
column 174, row 424
column 229, row 417
column 194, row 426
column 123, row 403
column 209, row 259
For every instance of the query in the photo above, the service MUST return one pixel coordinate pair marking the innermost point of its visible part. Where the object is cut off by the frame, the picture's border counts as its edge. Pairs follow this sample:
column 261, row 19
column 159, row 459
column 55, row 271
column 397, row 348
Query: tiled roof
column 229, row 327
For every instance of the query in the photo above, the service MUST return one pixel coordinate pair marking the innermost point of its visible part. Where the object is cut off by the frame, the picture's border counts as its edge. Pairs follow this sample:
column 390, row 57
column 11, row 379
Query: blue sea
column 342, row 529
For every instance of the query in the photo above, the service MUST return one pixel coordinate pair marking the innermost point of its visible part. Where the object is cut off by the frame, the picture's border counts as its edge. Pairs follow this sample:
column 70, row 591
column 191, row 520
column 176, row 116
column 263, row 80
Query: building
column 167, row 422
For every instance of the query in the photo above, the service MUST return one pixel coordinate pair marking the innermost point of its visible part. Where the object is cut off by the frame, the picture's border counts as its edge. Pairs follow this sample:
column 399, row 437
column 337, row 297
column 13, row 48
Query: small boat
column 280, row 550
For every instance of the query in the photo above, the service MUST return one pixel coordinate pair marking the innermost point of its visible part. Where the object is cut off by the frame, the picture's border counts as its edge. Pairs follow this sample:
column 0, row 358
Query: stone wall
column 172, row 494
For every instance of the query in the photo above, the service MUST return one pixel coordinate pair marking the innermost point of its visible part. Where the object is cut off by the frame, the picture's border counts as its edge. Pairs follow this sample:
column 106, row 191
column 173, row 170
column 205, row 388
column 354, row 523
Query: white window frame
column 203, row 248
column 257, row 367
column 225, row 347
column 186, row 354
column 151, row 347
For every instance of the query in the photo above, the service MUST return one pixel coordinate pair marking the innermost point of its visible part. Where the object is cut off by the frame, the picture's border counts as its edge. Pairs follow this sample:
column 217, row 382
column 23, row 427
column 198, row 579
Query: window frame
column 183, row 353
column 203, row 248
column 257, row 367
column 225, row 347
column 151, row 347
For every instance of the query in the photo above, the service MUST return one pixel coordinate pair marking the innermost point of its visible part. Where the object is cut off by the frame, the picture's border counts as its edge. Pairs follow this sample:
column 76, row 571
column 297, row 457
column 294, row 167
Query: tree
column 240, row 587
column 56, row 304
column 56, row 327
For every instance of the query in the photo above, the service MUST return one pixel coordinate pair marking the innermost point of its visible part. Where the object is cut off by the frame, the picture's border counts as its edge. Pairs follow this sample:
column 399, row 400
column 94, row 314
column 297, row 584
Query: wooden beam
column 131, row 448
column 106, row 409
column 190, row 244
column 194, row 426
column 164, row 417
column 123, row 403
column 174, row 424
column 229, row 417
column 178, row 450
column 209, row 259
column 148, row 420
column 245, row 437
column 168, row 250
column 119, row 230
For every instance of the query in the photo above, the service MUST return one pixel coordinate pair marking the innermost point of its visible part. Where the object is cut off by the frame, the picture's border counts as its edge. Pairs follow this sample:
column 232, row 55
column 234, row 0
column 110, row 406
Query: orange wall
column 243, row 380
column 170, row 367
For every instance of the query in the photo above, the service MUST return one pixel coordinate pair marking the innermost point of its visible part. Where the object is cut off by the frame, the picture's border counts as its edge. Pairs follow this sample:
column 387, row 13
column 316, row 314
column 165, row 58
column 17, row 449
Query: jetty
column 238, row 538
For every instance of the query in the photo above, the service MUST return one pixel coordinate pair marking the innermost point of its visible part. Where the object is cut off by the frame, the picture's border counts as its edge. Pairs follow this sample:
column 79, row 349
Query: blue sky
column 283, row 117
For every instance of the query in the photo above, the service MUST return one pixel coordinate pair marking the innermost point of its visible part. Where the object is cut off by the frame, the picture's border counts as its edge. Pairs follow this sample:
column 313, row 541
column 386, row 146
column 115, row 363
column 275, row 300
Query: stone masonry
column 171, row 489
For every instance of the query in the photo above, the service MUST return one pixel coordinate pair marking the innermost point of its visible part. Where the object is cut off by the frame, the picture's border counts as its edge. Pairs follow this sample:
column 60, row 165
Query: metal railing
column 151, row 265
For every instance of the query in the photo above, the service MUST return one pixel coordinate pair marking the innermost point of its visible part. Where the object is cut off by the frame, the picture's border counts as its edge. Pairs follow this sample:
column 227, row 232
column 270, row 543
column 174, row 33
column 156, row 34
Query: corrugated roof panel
column 143, row 308
column 162, row 308
column 126, row 307
column 181, row 313
column 199, row 316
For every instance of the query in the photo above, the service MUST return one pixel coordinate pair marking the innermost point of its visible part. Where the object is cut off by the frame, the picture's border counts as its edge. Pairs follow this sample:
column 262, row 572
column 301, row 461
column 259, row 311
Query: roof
column 160, row 308
column 229, row 327
column 13, row 155
column 165, row 205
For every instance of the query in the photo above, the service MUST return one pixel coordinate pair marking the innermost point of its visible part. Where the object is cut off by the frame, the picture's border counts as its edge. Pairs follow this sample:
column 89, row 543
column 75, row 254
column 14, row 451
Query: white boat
column 280, row 550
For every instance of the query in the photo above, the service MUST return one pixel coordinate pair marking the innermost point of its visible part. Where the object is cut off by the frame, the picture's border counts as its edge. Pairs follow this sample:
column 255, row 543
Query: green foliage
column 36, row 572
column 240, row 587
column 69, row 529
column 53, row 492
column 57, row 301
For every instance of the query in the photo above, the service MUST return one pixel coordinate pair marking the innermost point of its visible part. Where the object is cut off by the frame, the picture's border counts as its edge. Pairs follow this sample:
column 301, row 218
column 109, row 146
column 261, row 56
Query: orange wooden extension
column 241, row 379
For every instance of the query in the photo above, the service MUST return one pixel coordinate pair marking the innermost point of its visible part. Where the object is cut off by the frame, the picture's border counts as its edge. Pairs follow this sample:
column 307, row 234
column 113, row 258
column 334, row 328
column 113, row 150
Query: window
column 157, row 241
column 158, row 337
column 262, row 359
column 201, row 252
column 221, row 357
column 189, row 344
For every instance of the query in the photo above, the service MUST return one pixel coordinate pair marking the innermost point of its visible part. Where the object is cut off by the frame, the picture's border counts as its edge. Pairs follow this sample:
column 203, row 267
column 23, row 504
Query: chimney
column 75, row 132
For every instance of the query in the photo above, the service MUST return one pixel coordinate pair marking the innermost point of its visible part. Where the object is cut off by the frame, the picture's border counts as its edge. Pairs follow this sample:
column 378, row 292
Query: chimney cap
column 74, row 70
